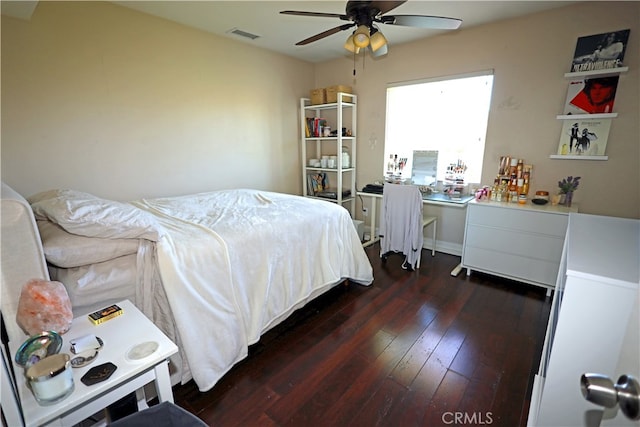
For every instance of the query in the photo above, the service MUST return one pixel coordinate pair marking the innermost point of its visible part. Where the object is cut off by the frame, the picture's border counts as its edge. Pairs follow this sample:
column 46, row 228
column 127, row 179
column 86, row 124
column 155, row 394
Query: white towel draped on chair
column 401, row 223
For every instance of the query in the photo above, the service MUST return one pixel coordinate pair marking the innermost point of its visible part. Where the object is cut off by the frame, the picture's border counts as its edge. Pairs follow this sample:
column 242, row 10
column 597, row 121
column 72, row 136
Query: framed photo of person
column 591, row 96
column 600, row 51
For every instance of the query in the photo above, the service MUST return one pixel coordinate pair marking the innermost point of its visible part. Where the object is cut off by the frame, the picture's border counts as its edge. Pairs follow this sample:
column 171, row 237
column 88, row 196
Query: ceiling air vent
column 241, row 33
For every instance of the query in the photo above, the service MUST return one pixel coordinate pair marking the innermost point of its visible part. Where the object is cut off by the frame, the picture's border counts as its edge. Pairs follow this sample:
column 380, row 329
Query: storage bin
column 332, row 93
column 318, row 96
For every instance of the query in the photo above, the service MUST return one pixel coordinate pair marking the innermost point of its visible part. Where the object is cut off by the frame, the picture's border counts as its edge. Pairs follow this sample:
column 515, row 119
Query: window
column 448, row 116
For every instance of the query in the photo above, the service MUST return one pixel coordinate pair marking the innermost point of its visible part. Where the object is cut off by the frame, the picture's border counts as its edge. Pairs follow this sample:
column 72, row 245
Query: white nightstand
column 119, row 335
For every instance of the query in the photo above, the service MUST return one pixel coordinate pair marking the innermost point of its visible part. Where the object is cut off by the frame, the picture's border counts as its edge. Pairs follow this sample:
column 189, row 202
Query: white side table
column 119, row 335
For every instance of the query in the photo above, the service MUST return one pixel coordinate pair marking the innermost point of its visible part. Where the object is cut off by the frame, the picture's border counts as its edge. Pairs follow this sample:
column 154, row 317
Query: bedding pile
column 91, row 245
column 213, row 270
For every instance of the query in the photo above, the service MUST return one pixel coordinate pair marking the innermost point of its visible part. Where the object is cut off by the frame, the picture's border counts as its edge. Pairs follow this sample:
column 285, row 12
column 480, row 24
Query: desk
column 431, row 199
column 119, row 335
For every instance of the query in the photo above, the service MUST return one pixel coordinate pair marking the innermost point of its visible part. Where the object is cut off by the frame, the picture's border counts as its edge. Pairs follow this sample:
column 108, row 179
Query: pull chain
column 354, row 63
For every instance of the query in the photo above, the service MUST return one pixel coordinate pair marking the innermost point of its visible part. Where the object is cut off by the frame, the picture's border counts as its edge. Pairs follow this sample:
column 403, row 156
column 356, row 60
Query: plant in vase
column 567, row 187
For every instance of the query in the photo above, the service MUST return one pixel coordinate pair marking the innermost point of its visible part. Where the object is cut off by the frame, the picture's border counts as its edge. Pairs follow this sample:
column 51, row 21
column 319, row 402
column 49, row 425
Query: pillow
column 66, row 250
column 87, row 215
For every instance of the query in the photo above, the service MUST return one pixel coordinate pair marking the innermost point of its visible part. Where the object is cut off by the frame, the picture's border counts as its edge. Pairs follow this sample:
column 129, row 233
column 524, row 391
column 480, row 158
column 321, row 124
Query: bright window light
column 447, row 115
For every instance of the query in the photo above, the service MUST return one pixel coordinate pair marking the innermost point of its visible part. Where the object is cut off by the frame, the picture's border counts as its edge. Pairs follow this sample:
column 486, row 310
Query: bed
column 213, row 270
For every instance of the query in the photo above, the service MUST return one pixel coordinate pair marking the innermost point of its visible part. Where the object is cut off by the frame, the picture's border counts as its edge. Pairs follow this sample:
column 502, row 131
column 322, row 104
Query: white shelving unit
column 340, row 114
column 599, row 73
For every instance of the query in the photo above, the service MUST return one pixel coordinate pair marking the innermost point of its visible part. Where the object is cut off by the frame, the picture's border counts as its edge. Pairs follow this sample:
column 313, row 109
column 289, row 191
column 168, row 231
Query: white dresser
column 519, row 242
column 593, row 324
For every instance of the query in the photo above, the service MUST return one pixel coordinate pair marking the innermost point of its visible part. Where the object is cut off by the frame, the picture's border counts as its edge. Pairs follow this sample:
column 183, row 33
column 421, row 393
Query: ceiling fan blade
column 423, row 21
column 325, row 34
column 320, row 14
column 386, row 6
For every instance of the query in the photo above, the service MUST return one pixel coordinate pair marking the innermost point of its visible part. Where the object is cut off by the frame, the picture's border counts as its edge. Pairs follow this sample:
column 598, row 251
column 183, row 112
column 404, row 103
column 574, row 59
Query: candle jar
column 51, row 379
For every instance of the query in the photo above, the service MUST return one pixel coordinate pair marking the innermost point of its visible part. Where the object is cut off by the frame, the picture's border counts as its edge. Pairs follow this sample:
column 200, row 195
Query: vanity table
column 437, row 199
column 432, row 199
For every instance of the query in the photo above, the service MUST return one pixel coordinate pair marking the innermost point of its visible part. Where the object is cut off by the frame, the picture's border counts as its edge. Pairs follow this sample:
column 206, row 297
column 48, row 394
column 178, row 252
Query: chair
column 402, row 224
column 165, row 414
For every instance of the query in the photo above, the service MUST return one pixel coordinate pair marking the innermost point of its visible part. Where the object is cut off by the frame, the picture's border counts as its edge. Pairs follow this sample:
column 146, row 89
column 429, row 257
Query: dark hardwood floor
column 414, row 349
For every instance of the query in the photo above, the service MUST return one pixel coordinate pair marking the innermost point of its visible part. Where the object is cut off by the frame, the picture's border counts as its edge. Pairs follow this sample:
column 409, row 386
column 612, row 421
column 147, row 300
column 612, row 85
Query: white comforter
column 235, row 263
column 216, row 270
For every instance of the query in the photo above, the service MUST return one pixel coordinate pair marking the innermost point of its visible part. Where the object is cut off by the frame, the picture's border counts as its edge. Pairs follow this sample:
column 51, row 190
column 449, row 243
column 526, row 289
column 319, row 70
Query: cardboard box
column 318, row 96
column 332, row 93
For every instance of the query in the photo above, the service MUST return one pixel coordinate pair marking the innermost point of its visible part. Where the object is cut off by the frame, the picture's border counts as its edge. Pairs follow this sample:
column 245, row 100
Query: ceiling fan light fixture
column 361, row 36
column 350, row 46
column 377, row 40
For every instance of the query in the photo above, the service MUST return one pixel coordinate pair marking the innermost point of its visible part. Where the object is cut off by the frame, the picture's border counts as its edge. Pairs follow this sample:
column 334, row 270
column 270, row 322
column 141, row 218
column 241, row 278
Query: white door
column 598, row 325
column 628, row 364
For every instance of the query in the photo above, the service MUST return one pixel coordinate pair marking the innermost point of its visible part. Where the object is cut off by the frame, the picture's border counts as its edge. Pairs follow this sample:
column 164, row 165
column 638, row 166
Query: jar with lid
column 346, row 160
column 51, row 379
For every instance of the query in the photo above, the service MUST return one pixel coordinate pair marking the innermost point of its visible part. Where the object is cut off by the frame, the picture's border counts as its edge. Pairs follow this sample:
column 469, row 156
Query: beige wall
column 104, row 99
column 529, row 57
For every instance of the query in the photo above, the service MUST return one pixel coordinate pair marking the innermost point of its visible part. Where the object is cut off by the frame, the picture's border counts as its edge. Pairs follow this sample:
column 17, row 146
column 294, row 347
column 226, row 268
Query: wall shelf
column 569, row 157
column 603, row 72
column 586, row 116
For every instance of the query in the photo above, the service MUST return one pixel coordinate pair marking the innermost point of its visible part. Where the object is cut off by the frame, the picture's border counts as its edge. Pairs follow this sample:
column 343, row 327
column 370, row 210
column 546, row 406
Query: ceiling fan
column 364, row 15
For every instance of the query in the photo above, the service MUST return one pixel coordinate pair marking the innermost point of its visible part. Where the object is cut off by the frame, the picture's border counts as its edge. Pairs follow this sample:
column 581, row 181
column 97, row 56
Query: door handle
column 599, row 389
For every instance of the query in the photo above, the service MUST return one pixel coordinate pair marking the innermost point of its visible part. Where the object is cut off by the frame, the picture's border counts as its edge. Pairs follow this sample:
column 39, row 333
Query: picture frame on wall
column 584, row 137
column 600, row 51
column 591, row 95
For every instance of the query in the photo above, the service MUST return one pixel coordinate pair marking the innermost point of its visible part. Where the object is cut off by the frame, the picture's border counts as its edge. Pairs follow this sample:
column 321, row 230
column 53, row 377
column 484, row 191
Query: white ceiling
column 280, row 32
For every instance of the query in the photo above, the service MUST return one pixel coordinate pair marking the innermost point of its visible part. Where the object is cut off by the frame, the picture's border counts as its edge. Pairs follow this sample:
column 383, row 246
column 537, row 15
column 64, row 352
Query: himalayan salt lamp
column 44, row 306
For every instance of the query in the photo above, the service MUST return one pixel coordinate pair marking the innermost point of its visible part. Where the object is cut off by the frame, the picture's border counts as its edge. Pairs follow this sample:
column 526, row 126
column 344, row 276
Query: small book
column 105, row 314
column 317, row 182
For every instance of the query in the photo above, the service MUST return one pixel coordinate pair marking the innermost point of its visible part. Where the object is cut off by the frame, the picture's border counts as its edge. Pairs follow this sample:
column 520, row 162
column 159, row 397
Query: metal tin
column 51, row 379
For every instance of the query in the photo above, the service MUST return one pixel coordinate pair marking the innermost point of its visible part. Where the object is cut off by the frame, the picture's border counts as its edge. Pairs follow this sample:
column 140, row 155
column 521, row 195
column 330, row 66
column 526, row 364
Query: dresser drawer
column 517, row 267
column 518, row 219
column 535, row 246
